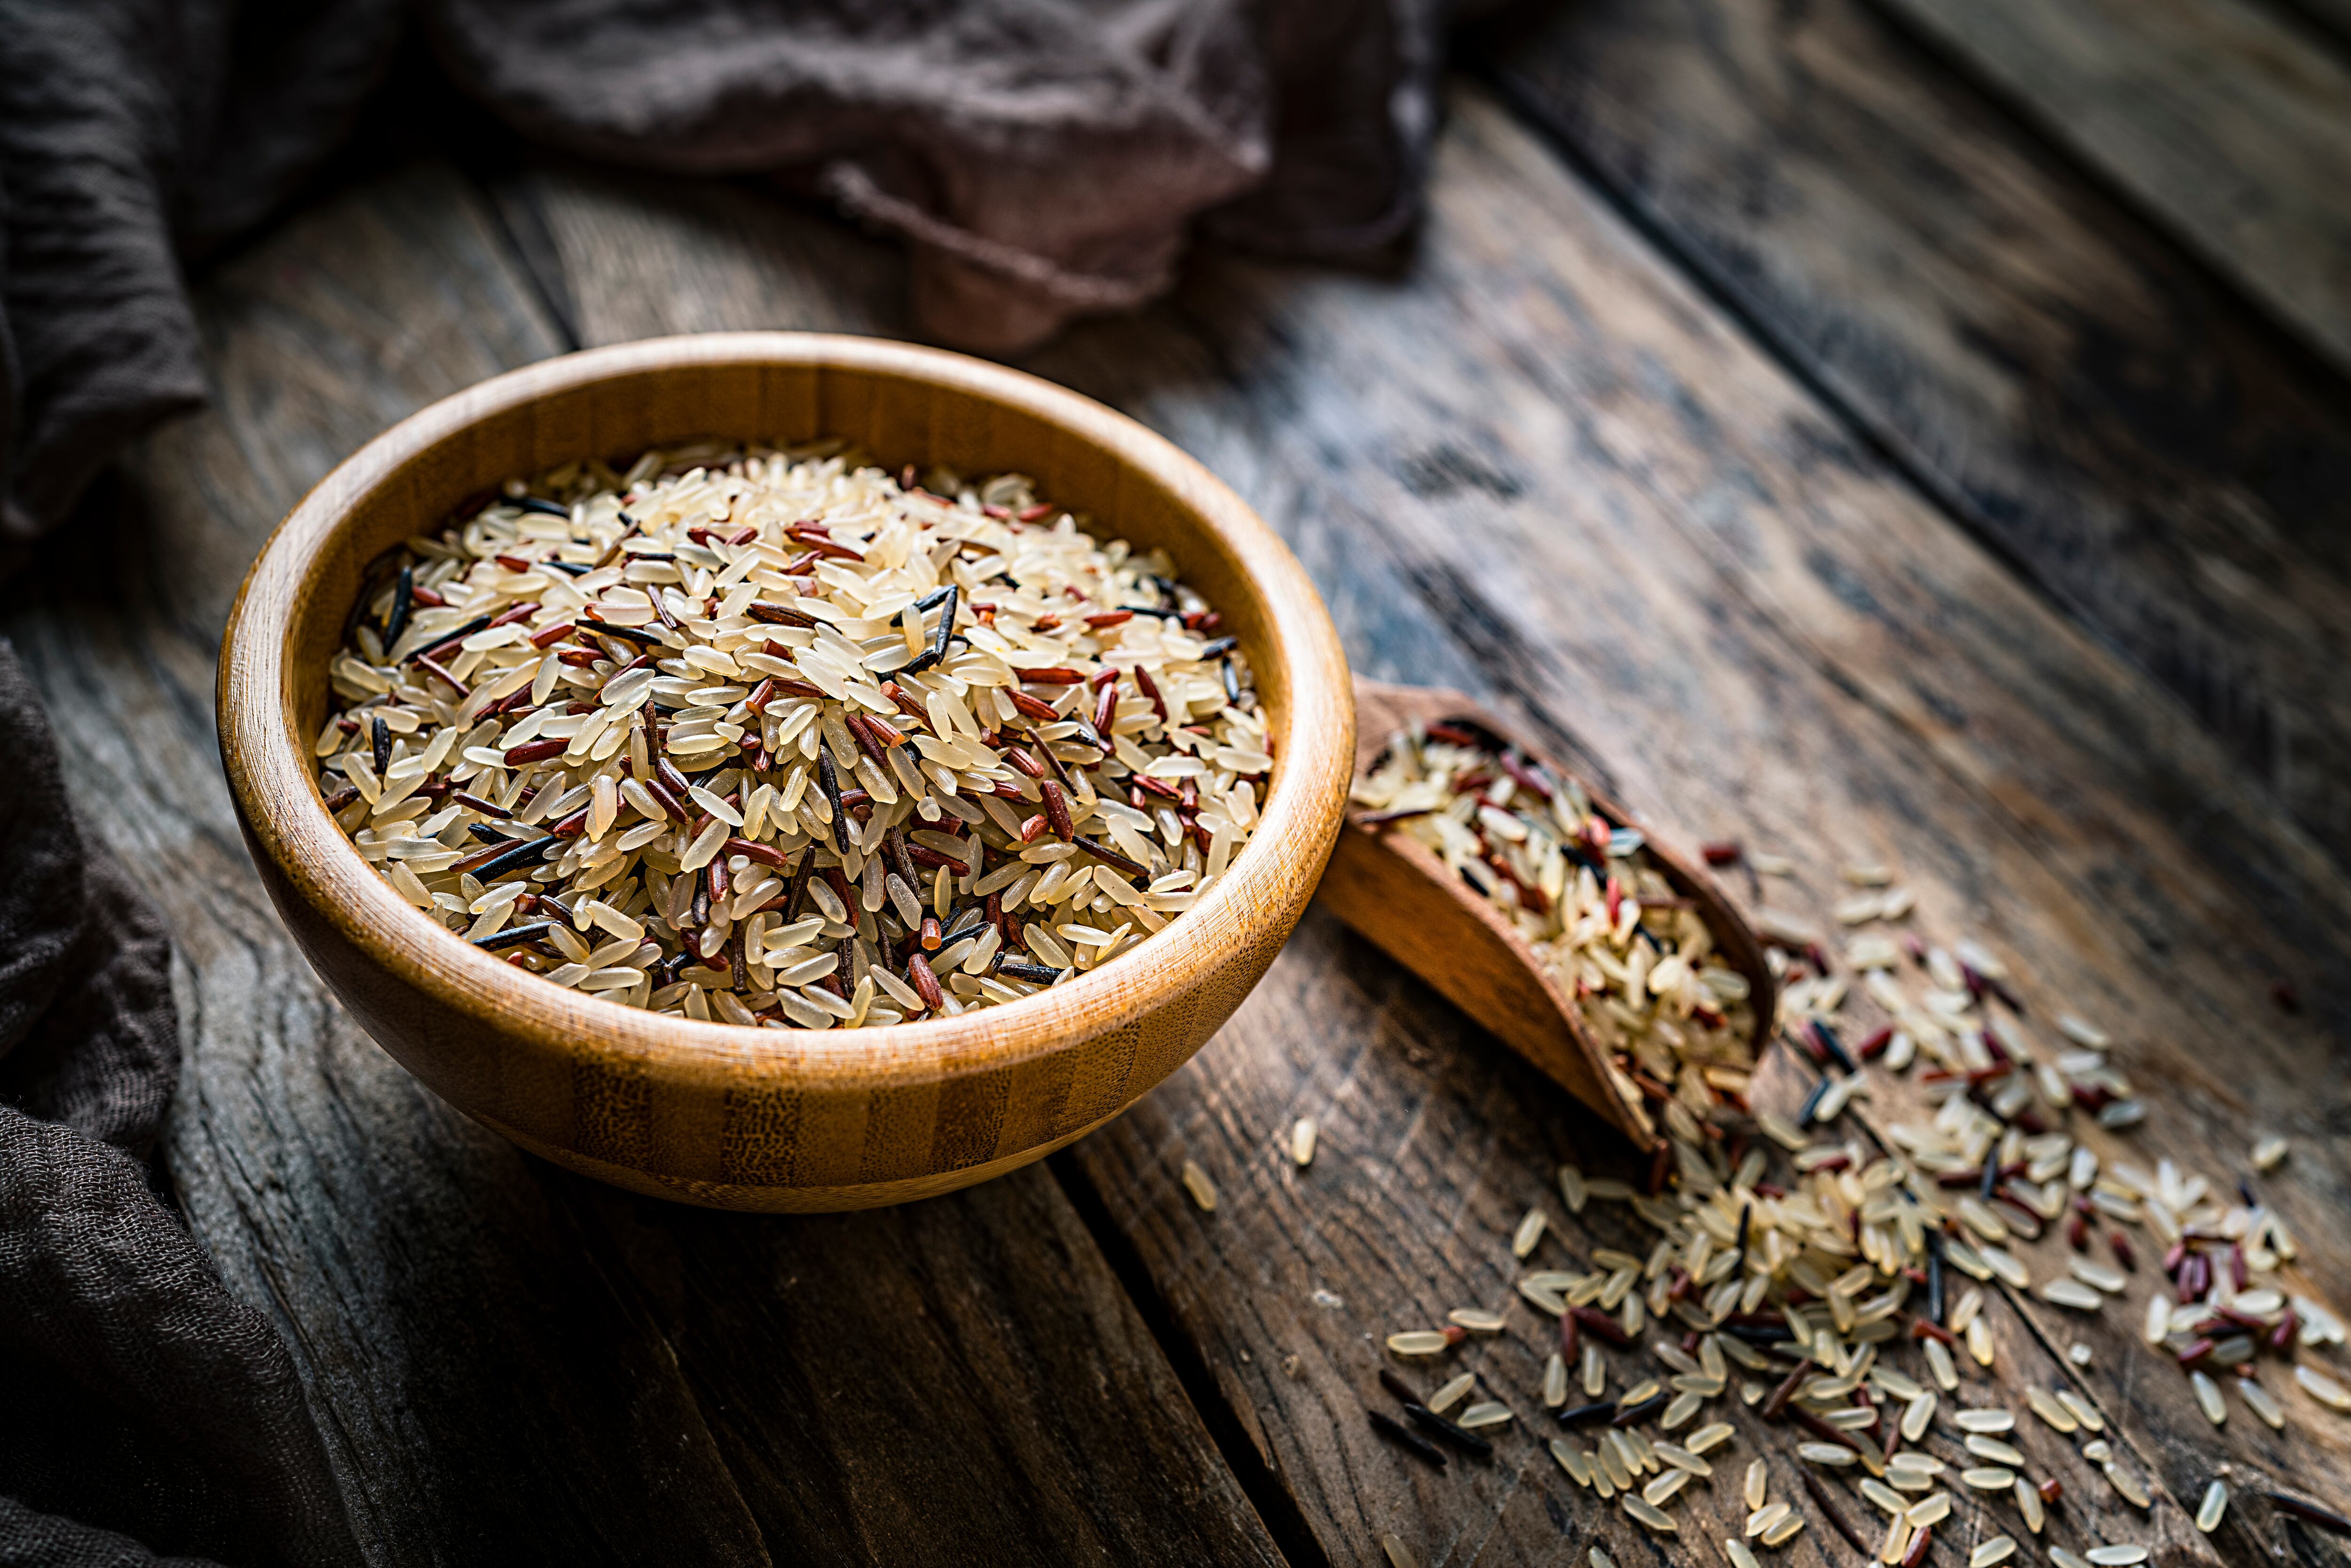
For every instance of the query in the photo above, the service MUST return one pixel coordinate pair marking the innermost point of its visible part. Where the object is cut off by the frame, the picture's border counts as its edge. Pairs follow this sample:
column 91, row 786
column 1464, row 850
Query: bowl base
column 751, row 1200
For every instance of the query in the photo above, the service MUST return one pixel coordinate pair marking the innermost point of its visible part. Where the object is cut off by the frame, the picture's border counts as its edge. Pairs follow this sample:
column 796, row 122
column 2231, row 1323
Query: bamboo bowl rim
column 271, row 773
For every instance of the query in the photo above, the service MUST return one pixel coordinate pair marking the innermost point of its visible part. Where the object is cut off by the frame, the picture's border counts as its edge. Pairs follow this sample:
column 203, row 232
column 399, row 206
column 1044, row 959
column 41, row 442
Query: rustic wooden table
column 1903, row 431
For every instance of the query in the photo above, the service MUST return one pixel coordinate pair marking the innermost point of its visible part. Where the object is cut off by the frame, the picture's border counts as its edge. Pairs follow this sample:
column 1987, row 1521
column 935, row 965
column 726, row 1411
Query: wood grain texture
column 513, row 1365
column 1394, row 891
column 2229, row 124
column 673, row 256
column 955, row 1381
column 470, row 1366
column 2060, row 377
column 1542, row 469
column 1757, row 632
column 1433, row 1144
column 1735, row 609
column 708, row 1112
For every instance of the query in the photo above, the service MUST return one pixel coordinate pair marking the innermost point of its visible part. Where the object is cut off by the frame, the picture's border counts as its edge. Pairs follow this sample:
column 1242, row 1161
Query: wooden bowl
column 766, row 1119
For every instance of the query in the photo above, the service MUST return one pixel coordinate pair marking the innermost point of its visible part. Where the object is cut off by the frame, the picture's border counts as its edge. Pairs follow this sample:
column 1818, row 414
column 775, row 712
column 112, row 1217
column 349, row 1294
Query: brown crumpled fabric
column 1042, row 158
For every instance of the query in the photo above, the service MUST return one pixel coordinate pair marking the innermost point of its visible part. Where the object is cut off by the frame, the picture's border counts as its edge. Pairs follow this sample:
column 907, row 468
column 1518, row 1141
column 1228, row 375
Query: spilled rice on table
column 1838, row 1290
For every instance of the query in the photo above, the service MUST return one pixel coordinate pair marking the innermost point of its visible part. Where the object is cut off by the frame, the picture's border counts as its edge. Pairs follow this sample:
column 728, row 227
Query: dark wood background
column 1901, row 430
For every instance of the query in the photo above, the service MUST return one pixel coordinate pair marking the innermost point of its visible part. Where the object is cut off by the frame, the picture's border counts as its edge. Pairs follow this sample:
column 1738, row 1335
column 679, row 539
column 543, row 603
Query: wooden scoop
column 1395, row 891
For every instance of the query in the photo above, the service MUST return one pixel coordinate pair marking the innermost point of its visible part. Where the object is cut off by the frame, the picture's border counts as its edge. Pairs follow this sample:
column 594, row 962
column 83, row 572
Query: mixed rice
column 1840, row 1283
column 774, row 737
column 1592, row 902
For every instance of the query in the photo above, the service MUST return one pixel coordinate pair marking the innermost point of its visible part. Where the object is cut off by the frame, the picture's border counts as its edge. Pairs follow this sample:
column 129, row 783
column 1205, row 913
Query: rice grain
column 730, row 669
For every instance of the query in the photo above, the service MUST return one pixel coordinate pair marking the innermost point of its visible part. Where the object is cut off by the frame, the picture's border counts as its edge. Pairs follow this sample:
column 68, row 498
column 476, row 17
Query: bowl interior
column 894, row 413
column 900, row 404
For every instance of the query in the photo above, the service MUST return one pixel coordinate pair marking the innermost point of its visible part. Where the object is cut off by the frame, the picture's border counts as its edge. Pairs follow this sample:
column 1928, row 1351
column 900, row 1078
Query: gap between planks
column 2026, row 353
column 2226, row 124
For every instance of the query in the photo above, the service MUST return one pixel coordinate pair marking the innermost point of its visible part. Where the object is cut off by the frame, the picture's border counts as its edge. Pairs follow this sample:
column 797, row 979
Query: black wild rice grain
column 1834, row 1047
column 831, row 788
column 1374, row 819
column 1107, row 855
column 370, row 579
column 641, row 638
column 1429, row 1420
column 1776, row 1405
column 2301, row 1508
column 1822, row 1429
column 938, row 648
column 1820, row 1495
column 453, row 638
column 900, row 857
column 514, row 936
column 528, row 853
column 404, row 596
column 1765, row 1334
column 1634, row 1414
column 1420, row 1447
column 1037, row 744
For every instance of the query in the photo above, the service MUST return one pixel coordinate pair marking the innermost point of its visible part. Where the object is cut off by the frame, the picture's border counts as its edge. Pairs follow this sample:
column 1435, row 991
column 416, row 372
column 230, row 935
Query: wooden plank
column 955, row 1381
column 481, row 1387
column 512, row 1365
column 1433, row 1143
column 644, row 257
column 1673, row 563
column 2230, row 125
column 2062, row 380
column 1539, row 466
